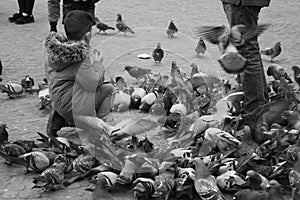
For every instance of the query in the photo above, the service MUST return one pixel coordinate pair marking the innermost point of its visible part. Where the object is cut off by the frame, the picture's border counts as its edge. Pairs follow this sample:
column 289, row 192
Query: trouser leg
column 29, row 6
column 253, row 78
column 53, row 10
column 21, row 4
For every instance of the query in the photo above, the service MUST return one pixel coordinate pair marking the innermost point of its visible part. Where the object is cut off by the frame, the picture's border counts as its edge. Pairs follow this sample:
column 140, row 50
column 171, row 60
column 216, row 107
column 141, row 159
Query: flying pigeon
column 102, row 27
column 277, row 71
column 201, row 46
column 272, row 52
column 223, row 35
column 172, row 29
column 121, row 26
column 137, row 72
column 158, row 53
column 296, row 70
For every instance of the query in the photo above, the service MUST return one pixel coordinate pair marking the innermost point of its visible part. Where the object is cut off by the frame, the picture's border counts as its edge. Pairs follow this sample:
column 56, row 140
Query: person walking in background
column 253, row 78
column 24, row 16
column 68, row 5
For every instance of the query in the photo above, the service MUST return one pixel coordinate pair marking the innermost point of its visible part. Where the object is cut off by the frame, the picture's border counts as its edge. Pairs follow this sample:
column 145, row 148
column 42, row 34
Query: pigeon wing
column 249, row 32
column 211, row 33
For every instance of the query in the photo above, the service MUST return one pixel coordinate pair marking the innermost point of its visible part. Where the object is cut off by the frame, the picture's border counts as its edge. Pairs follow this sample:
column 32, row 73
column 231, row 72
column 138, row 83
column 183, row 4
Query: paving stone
column 10, row 194
column 74, row 185
column 29, row 194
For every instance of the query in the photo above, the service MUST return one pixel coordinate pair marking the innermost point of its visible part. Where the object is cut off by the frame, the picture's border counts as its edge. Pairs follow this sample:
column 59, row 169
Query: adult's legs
column 53, row 13
column 29, row 4
column 21, row 4
column 253, row 77
column 26, row 8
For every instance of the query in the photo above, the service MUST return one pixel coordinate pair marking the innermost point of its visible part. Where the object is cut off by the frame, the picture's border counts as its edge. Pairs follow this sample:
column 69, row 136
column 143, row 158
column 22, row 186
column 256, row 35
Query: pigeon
column 221, row 138
column 51, row 178
column 272, row 52
column 194, row 69
column 3, row 133
column 102, row 27
column 228, row 40
column 256, row 180
column 172, row 29
column 136, row 96
column 100, row 192
column 201, row 46
column 158, row 53
column 296, row 70
column 274, row 190
column 223, row 35
column 36, row 161
column 27, row 83
column 248, row 145
column 176, row 72
column 205, row 184
column 11, row 89
column 121, row 26
column 137, row 72
column 294, row 179
column 292, row 118
column 277, row 71
column 143, row 187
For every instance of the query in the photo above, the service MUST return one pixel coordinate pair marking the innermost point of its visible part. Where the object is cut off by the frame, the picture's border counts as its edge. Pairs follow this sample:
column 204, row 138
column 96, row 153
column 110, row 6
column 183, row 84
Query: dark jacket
column 261, row 3
column 74, row 73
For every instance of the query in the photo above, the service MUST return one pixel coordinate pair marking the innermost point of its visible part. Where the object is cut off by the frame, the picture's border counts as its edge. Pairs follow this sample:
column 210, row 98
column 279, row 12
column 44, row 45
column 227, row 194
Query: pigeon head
column 270, row 70
column 158, row 45
column 127, row 68
column 119, row 17
column 194, row 65
column 250, row 173
column 278, row 44
column 119, row 78
column 274, row 184
column 296, row 68
column 3, row 125
column 97, row 19
column 201, row 169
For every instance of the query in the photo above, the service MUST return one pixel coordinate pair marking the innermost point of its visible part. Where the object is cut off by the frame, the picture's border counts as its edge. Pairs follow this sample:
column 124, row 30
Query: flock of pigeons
column 209, row 152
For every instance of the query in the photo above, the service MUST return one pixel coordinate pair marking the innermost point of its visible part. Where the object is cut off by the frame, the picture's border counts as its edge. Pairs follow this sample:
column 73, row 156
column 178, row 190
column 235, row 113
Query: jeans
column 253, row 77
column 68, row 6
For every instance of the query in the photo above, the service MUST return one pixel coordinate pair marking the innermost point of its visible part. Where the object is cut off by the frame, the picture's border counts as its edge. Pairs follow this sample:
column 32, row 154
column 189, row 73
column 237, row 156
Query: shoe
column 25, row 20
column 14, row 17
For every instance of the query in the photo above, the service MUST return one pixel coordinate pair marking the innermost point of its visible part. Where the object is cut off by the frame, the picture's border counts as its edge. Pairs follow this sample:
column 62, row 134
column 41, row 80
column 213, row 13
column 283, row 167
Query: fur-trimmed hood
column 62, row 53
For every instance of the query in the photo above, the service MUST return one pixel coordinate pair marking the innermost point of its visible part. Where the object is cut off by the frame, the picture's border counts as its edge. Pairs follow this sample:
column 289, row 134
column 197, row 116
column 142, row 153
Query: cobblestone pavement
column 21, row 53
